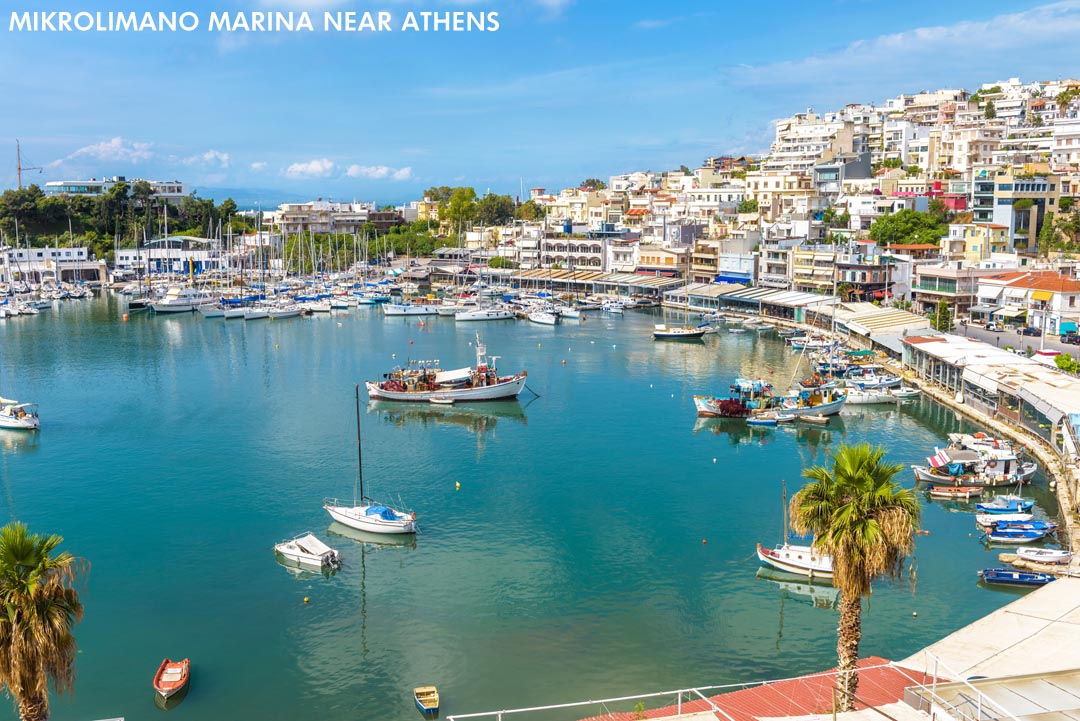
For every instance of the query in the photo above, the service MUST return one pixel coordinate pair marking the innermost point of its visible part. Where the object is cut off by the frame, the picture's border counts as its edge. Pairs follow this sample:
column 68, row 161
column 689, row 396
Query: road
column 1015, row 340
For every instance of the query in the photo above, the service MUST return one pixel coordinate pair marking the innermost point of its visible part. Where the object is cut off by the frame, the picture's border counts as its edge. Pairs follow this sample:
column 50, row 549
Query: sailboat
column 801, row 560
column 662, row 331
column 365, row 514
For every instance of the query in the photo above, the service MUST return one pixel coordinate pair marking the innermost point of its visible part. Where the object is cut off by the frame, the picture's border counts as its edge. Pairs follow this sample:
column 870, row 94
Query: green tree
column 866, row 522
column 593, row 184
column 750, row 205
column 500, row 262
column 989, row 112
column 531, row 210
column 462, row 206
column 941, row 319
column 1065, row 204
column 1067, row 363
column 41, row 606
column 1047, row 238
column 227, row 209
column 907, row 226
column 495, row 209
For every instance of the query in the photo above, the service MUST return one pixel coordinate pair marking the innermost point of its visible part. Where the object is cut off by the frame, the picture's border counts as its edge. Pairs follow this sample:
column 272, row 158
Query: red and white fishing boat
column 423, row 380
column 803, row 560
column 172, row 677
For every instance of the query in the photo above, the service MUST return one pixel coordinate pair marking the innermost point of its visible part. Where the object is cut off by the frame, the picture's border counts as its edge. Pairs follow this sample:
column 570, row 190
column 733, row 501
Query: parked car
column 1029, row 330
column 1072, row 338
column 995, row 327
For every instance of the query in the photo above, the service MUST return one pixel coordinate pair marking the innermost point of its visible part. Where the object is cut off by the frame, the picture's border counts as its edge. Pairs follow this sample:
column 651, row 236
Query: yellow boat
column 427, row 699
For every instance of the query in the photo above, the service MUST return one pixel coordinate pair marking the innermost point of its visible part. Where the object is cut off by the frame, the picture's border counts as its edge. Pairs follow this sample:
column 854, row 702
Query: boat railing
column 971, row 704
column 681, row 702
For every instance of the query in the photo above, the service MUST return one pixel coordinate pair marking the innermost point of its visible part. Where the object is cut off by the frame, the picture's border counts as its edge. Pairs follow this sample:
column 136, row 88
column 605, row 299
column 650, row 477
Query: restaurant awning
column 1066, row 326
column 1009, row 312
column 984, row 308
column 1043, row 295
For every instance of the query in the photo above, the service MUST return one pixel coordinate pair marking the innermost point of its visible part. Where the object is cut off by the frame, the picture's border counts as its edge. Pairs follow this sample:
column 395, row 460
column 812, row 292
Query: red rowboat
column 172, row 677
column 955, row 491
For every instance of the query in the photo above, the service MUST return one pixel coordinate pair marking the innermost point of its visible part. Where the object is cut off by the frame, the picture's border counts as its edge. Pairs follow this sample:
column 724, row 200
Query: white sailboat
column 365, row 514
column 798, row 559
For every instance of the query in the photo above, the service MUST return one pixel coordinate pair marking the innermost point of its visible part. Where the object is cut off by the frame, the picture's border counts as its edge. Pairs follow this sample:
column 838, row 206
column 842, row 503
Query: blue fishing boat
column 1015, row 535
column 1006, row 504
column 1009, row 577
column 1048, row 526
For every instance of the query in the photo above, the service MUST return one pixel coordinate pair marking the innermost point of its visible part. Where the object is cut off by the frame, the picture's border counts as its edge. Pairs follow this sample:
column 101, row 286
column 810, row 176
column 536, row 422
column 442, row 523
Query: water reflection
column 168, row 704
column 301, row 571
column 476, row 418
column 818, row 595
column 16, row 442
column 737, row 431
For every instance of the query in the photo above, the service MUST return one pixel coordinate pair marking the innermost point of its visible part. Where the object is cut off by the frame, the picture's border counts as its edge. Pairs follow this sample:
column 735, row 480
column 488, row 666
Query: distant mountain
column 252, row 198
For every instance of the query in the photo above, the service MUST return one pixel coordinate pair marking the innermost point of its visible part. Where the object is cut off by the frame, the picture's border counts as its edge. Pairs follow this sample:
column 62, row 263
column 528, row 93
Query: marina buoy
column 421, row 324
column 410, row 342
column 564, row 361
column 703, row 541
column 125, row 317
column 592, row 342
column 306, row 599
column 914, row 614
column 612, row 345
column 276, row 346
column 650, row 385
column 393, row 355
column 714, row 460
column 339, row 324
column 457, row 485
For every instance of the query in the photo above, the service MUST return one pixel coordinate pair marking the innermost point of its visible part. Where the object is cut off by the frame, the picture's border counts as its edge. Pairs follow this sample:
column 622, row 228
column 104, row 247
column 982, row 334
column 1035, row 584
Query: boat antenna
column 359, row 451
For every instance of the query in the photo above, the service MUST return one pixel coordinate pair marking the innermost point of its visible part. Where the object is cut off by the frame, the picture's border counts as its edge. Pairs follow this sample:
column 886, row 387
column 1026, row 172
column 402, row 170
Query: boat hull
column 499, row 391
column 796, row 559
column 352, row 517
column 399, row 309
column 172, row 677
column 1009, row 577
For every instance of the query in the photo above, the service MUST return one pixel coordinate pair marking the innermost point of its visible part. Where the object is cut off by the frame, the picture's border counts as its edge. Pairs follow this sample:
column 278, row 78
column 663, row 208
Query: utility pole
column 18, row 163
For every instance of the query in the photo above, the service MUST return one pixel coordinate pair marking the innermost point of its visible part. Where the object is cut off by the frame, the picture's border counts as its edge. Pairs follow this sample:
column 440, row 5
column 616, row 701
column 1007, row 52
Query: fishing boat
column 1015, row 535
column 1047, row 526
column 860, row 396
column 746, row 395
column 421, row 380
column 1006, row 504
column 961, row 492
column 965, row 466
column 172, row 677
column 307, row 550
column 1009, row 577
column 905, row 392
column 18, row 416
column 1044, row 555
column 662, row 331
column 427, row 699
column 986, row 520
column 365, row 514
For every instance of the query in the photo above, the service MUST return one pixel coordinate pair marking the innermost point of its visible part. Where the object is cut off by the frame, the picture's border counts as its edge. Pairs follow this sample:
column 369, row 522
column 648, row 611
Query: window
column 1005, row 186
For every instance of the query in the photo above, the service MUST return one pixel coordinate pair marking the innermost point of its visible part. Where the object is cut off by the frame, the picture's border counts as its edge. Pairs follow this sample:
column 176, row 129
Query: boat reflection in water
column 479, row 418
column 304, row 572
column 818, row 594
column 168, row 704
column 15, row 442
column 382, row 540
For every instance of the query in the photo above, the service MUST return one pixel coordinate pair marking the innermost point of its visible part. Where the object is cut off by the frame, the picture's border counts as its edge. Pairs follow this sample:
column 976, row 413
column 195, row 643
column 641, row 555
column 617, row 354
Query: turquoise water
column 175, row 451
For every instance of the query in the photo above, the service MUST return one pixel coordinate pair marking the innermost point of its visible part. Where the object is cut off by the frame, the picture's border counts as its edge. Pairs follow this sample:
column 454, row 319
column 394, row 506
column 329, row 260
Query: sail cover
column 382, row 512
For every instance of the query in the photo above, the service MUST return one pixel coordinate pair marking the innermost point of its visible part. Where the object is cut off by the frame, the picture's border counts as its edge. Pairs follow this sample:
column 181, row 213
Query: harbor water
column 601, row 542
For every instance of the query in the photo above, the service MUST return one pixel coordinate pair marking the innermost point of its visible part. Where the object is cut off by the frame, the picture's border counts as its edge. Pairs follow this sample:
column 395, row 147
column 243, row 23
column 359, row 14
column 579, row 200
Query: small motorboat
column 964, row 492
column 1048, row 526
column 905, row 392
column 1009, row 577
column 172, row 677
column 762, row 420
column 817, row 420
column 307, row 550
column 1044, row 555
column 737, row 331
column 1006, row 504
column 986, row 520
column 1016, row 535
column 427, row 699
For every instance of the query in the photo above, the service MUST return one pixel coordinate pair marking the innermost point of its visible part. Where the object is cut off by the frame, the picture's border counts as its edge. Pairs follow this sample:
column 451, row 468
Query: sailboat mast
column 359, row 448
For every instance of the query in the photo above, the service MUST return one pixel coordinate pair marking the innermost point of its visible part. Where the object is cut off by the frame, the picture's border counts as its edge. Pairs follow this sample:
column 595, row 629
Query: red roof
column 638, row 211
column 880, row 683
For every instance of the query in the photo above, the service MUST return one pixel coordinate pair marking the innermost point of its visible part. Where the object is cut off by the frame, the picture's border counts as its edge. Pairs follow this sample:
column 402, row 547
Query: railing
column 985, row 708
column 696, row 696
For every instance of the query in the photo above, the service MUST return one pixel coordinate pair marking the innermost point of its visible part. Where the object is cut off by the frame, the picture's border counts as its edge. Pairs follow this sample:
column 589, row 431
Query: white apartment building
column 323, row 216
column 171, row 190
column 805, row 138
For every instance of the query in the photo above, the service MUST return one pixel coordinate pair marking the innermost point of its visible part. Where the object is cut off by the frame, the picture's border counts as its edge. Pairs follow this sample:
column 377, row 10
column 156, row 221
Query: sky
column 562, row 91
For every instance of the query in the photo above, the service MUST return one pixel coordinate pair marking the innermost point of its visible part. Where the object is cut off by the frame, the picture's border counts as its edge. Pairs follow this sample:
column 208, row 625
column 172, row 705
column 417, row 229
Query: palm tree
column 867, row 523
column 40, row 606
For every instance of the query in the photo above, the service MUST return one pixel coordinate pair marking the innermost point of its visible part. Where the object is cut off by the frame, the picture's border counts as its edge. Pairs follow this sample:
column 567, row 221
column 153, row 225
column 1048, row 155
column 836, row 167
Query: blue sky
column 566, row 89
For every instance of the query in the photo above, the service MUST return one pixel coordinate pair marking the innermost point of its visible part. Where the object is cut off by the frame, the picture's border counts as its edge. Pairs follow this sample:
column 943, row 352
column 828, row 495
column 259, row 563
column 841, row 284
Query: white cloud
column 210, row 157
column 318, row 168
column 258, row 167
column 926, row 55
column 116, row 150
column 655, row 23
column 379, row 172
column 368, row 171
column 555, row 7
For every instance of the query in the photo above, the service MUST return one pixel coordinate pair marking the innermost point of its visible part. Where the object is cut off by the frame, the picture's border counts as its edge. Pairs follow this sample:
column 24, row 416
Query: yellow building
column 973, row 242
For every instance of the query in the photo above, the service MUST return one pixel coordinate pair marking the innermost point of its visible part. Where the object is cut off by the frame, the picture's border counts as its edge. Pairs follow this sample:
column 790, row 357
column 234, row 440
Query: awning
column 1043, row 295
column 1010, row 312
column 730, row 278
column 1066, row 326
column 983, row 308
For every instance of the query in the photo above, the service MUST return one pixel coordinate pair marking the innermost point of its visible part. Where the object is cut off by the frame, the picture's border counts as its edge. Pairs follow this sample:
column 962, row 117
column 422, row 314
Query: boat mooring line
column 532, row 391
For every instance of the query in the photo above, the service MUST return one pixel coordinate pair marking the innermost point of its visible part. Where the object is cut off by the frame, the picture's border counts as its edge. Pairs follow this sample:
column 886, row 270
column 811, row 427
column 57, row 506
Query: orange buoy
column 125, row 317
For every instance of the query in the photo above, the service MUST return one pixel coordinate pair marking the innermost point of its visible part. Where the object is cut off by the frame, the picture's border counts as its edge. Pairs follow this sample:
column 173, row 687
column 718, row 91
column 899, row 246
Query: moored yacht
column 182, row 299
